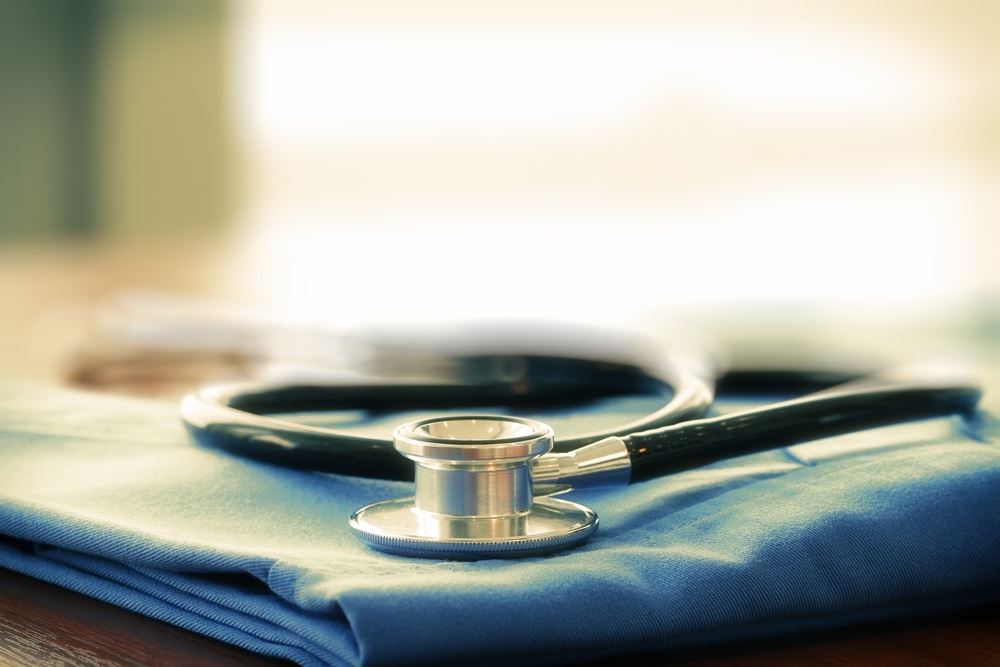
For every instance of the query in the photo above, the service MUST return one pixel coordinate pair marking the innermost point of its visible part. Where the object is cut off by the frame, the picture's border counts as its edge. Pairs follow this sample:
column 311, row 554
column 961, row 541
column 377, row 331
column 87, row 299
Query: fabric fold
column 123, row 507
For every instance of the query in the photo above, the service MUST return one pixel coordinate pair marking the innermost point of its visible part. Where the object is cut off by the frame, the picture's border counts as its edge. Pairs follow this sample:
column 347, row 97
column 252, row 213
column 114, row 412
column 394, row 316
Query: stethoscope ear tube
column 833, row 412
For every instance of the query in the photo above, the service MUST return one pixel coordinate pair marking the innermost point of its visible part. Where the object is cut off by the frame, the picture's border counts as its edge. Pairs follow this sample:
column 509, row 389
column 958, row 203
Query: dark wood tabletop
column 42, row 624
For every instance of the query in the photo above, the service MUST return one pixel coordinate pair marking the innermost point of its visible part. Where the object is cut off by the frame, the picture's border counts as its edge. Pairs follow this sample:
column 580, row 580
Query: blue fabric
column 108, row 497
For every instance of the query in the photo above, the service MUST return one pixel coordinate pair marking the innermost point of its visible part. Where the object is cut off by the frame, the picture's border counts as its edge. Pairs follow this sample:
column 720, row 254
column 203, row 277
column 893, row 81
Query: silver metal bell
column 474, row 495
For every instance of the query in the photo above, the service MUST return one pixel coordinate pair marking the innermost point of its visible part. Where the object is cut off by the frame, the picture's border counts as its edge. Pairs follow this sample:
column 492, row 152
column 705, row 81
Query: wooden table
column 42, row 624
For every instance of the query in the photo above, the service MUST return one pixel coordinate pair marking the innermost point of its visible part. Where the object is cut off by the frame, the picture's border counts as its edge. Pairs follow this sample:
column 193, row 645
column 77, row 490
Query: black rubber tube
column 234, row 417
column 833, row 412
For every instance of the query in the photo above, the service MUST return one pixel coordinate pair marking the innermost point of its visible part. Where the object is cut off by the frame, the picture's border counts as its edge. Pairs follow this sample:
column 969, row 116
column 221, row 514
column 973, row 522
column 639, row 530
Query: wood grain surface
column 967, row 639
column 42, row 624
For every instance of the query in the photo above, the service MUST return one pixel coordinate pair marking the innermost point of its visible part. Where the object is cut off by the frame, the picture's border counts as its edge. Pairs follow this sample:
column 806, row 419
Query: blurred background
column 774, row 176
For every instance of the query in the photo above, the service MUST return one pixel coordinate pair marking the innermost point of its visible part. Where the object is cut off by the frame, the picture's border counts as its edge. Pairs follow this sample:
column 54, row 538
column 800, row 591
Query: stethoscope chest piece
column 473, row 494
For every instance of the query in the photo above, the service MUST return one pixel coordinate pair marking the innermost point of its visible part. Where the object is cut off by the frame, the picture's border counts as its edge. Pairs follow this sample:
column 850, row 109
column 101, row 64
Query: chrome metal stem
column 603, row 463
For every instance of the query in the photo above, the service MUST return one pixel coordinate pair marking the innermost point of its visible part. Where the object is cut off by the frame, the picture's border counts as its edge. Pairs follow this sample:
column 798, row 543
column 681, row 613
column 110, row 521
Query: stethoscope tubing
column 698, row 442
column 673, row 438
column 237, row 417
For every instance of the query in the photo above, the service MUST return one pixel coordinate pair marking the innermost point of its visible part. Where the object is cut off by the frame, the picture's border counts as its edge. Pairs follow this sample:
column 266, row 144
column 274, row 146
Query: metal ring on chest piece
column 473, row 494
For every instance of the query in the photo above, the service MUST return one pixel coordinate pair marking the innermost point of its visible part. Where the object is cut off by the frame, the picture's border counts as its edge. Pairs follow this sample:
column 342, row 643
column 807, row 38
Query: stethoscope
column 485, row 484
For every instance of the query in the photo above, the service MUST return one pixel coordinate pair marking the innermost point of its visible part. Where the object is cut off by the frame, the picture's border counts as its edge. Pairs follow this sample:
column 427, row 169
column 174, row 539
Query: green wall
column 114, row 118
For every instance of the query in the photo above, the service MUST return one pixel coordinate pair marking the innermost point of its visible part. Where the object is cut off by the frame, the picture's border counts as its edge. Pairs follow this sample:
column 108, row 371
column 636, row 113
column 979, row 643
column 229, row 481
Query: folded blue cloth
column 108, row 497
